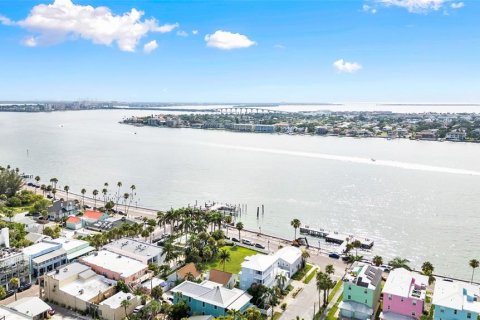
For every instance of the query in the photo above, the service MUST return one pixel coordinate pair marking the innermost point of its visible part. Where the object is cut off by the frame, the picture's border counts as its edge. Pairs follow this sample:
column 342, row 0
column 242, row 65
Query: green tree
column 66, row 189
column 305, row 256
column 15, row 283
column 356, row 244
column 377, row 261
column 239, row 227
column 253, row 314
column 95, row 193
column 125, row 304
column 157, row 293
column 10, row 182
column 295, row 223
column 473, row 264
column 179, row 311
column 281, row 280
column 398, row 262
column 83, row 191
column 3, row 293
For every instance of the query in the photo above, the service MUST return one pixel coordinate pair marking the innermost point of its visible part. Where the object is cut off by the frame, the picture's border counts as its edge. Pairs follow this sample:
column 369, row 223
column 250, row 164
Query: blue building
column 210, row 298
column 265, row 128
column 455, row 300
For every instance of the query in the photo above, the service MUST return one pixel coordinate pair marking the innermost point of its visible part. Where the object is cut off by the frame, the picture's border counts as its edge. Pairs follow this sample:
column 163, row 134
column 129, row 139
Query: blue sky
column 241, row 51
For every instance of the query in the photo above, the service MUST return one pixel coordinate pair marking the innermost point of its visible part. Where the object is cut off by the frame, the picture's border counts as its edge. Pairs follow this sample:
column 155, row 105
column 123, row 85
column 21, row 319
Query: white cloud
column 279, row 46
column 63, row 20
column 194, row 32
column 227, row 40
column 415, row 6
column 182, row 33
column 369, row 9
column 457, row 5
column 5, row 21
column 150, row 46
column 347, row 67
column 30, row 42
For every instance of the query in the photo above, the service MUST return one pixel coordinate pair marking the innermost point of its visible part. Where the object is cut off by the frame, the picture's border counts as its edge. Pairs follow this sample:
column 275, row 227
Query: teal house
column 210, row 298
column 361, row 292
column 455, row 300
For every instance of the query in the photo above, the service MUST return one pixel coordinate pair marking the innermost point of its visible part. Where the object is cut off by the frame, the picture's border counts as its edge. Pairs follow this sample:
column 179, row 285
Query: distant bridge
column 246, row 110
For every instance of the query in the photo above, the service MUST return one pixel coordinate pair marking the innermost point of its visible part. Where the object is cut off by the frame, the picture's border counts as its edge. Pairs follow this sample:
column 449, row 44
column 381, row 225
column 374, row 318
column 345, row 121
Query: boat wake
column 368, row 161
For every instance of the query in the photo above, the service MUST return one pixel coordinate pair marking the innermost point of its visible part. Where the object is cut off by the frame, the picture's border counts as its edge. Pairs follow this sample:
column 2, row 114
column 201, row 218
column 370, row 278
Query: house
column 404, row 295
column 265, row 128
column 91, row 217
column 210, row 298
column 73, row 223
column 263, row 269
column 62, row 209
column 117, row 267
column 361, row 292
column 137, row 249
column 226, row 279
column 34, row 237
column 290, row 259
column 456, row 135
column 77, row 286
column 188, row 270
column 111, row 308
column 25, row 308
column 427, row 135
column 455, row 300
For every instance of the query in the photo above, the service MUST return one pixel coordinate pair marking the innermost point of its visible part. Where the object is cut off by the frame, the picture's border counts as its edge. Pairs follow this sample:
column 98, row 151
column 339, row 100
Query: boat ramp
column 336, row 237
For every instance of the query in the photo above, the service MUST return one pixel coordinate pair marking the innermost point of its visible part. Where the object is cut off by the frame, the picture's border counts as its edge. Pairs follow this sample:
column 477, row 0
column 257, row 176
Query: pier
column 336, row 237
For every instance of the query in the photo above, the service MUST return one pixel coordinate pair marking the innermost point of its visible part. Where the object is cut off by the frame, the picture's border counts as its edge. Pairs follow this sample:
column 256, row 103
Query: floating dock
column 335, row 237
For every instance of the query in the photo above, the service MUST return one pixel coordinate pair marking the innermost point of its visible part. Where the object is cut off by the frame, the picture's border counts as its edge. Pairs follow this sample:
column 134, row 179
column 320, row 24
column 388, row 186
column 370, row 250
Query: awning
column 355, row 307
column 80, row 252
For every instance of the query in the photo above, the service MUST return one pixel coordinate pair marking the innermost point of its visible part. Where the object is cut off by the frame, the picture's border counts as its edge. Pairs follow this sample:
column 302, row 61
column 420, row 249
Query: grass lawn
column 276, row 315
column 302, row 272
column 331, row 312
column 335, row 289
column 237, row 255
column 310, row 276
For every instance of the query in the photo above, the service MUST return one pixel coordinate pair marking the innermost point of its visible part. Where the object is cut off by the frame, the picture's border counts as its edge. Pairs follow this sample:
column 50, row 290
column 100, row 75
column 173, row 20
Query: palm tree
column 3, row 293
column 239, row 227
column 267, row 298
column 377, row 261
column 427, row 268
column 356, row 244
column 54, row 191
column 83, row 191
column 473, row 264
column 119, row 185
column 66, row 189
column 9, row 213
column 228, row 221
column 398, row 262
column 43, row 188
column 295, row 223
column 104, row 192
column 252, row 314
column 161, row 220
column 224, row 257
column 329, row 269
column 320, row 284
column 125, row 198
column 281, row 279
column 125, row 304
column 37, row 179
column 305, row 256
column 15, row 282
column 95, row 193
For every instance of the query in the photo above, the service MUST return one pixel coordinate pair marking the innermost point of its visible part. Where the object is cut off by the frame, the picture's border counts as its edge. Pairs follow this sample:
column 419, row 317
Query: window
column 215, row 307
column 203, row 304
column 349, row 297
column 389, row 297
column 365, row 291
column 388, row 307
column 366, row 301
column 414, row 302
column 454, row 311
column 401, row 299
column 189, row 299
column 349, row 287
column 469, row 315
column 442, row 310
column 413, row 314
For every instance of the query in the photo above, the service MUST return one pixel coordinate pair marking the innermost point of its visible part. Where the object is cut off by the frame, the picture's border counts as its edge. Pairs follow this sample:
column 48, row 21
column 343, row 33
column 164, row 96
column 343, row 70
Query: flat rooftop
column 115, row 301
column 136, row 247
column 70, row 244
column 456, row 295
column 115, row 262
column 364, row 275
column 39, row 247
column 88, row 285
column 68, row 271
column 407, row 284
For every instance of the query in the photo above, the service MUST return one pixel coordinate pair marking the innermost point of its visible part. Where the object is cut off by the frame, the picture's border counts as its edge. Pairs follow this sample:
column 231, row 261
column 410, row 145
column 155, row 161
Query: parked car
column 258, row 245
column 49, row 196
column 24, row 286
column 51, row 312
column 235, row 240
column 334, row 255
column 138, row 309
column 30, row 184
column 86, row 206
column 247, row 242
column 386, row 268
column 121, row 213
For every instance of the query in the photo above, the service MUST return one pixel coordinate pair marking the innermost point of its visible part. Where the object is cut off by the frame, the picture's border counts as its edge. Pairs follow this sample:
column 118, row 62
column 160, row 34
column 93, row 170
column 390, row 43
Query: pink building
column 404, row 295
column 117, row 267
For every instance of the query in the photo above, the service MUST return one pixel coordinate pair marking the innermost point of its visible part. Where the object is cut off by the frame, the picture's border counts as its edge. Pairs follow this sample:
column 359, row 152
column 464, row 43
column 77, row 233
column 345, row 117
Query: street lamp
column 319, row 243
column 268, row 244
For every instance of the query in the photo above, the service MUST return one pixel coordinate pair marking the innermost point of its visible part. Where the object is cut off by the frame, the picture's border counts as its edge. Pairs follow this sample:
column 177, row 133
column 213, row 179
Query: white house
column 263, row 269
